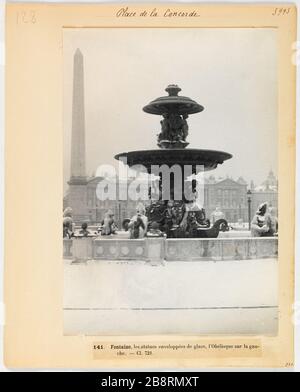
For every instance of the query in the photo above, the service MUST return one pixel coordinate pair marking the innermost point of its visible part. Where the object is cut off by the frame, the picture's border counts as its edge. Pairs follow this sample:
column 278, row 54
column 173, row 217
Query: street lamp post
column 249, row 208
column 120, row 218
column 97, row 214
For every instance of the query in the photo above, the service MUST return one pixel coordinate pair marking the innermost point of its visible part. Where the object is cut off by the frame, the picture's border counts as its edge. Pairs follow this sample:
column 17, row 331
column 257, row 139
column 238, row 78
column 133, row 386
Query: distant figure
column 216, row 215
column 84, row 232
column 108, row 224
column 261, row 223
column 138, row 223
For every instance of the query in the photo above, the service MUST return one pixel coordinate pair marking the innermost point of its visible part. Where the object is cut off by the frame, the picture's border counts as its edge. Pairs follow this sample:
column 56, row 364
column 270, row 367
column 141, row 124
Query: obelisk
column 78, row 173
column 78, row 179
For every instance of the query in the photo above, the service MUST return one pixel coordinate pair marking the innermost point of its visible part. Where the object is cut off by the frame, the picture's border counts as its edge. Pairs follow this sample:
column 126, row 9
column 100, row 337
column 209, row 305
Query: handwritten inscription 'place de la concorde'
column 127, row 12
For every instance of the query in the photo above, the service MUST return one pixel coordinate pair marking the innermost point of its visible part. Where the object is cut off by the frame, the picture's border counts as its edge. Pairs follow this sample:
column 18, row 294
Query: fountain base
column 178, row 220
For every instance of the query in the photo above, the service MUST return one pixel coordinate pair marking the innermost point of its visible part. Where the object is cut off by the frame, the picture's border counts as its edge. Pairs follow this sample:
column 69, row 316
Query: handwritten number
column 289, row 364
column 281, row 11
column 26, row 17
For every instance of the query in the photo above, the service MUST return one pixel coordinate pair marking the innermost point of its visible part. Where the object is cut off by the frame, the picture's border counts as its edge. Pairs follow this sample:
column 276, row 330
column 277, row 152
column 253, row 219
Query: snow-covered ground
column 206, row 297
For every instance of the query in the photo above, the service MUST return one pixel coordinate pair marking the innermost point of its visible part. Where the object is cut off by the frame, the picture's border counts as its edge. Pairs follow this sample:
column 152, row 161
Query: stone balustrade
column 156, row 249
column 221, row 249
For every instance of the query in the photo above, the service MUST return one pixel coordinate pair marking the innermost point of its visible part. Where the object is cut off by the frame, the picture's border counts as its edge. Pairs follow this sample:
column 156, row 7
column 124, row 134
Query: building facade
column 227, row 194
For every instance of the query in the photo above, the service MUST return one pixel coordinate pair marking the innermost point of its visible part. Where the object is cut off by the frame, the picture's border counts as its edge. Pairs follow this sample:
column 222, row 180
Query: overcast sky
column 231, row 72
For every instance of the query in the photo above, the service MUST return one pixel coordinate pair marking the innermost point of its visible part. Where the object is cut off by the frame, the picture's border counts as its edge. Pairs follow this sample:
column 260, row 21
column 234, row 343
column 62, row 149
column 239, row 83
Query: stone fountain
column 178, row 217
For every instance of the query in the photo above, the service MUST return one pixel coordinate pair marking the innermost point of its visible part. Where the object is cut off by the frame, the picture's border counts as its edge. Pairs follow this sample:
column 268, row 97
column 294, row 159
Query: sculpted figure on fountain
column 138, row 224
column 174, row 130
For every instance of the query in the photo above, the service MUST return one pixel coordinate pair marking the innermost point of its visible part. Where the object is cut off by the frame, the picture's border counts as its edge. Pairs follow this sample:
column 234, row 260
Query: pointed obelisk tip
column 78, row 52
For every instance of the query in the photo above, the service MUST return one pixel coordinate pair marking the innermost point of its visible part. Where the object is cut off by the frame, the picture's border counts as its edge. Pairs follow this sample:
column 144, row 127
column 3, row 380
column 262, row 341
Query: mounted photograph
column 170, row 181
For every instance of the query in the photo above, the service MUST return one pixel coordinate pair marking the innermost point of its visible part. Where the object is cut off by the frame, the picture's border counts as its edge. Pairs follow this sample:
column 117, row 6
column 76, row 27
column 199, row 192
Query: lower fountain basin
column 209, row 159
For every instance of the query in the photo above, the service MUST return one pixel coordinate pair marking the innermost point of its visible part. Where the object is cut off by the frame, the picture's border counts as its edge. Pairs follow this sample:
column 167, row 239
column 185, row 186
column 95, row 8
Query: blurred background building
column 226, row 193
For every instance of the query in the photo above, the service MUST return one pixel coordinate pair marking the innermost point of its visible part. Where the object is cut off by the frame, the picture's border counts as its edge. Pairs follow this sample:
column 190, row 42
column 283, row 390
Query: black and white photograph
column 170, row 179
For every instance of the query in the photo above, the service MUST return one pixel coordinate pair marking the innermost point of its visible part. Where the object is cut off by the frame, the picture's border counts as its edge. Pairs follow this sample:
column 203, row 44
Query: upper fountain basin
column 173, row 103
